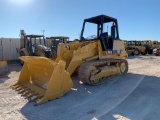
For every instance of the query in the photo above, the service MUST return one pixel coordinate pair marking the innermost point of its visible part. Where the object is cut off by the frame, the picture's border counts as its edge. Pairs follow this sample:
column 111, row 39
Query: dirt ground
column 133, row 96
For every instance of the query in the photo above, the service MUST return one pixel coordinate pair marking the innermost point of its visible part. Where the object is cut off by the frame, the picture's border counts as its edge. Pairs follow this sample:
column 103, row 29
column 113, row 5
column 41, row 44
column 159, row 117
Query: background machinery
column 3, row 63
column 128, row 49
column 33, row 45
column 54, row 41
column 156, row 51
column 156, row 48
column 142, row 47
column 135, row 47
column 149, row 45
column 96, row 57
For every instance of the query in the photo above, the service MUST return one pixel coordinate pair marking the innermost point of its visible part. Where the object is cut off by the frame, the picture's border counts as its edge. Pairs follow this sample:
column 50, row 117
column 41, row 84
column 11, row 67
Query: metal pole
column 2, row 50
column 43, row 32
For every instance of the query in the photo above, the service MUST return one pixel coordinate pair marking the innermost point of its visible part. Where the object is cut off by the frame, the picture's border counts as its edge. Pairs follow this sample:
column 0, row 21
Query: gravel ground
column 134, row 96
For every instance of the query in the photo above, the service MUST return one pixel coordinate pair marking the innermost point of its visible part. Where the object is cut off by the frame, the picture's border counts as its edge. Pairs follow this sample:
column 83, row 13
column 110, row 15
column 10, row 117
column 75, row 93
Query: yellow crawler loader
column 96, row 57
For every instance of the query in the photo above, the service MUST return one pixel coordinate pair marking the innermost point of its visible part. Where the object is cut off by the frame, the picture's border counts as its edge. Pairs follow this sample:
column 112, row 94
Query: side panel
column 8, row 48
column 118, row 45
column 82, row 53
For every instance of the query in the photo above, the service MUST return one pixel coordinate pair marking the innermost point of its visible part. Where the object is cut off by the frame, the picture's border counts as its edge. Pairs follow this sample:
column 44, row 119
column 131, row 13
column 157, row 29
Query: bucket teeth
column 35, row 97
column 31, row 94
column 26, row 92
column 15, row 86
column 20, row 87
column 22, row 91
column 37, row 101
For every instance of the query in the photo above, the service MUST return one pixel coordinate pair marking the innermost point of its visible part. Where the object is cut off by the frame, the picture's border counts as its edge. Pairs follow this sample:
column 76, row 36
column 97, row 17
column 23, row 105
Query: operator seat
column 104, row 37
column 109, row 43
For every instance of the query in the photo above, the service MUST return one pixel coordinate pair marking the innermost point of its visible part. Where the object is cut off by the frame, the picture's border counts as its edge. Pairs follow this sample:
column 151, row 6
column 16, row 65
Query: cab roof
column 34, row 36
column 97, row 19
column 57, row 37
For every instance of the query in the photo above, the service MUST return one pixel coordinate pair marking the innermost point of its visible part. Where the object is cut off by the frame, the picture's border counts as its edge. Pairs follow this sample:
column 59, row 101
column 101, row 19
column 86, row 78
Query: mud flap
column 3, row 68
column 41, row 79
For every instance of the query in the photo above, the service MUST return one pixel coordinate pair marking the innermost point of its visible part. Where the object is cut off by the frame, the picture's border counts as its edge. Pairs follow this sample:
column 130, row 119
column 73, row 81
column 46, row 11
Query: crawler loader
column 96, row 57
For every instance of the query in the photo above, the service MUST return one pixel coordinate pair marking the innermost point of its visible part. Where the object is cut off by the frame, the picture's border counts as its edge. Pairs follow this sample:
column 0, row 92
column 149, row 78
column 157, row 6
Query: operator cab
column 106, row 30
column 34, row 42
column 55, row 40
column 138, row 43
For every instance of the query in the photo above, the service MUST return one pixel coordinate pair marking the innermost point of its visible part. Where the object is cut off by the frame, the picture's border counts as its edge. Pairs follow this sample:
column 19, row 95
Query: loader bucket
column 42, row 79
column 3, row 68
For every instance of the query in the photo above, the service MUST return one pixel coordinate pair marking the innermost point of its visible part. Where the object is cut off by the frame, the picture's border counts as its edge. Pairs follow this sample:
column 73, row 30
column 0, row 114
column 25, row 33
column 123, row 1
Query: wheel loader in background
column 135, row 48
column 96, row 57
column 146, row 46
column 34, row 45
column 55, row 40
column 140, row 49
column 149, row 45
column 127, row 48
